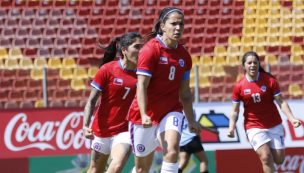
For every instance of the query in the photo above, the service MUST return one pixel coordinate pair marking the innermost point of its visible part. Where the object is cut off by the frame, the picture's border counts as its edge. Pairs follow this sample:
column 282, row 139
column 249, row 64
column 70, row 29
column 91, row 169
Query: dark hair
column 252, row 53
column 117, row 44
column 163, row 17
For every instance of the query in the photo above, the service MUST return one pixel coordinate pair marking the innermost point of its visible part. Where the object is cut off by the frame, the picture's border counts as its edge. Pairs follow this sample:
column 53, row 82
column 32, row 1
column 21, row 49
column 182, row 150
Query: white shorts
column 145, row 140
column 104, row 145
column 275, row 137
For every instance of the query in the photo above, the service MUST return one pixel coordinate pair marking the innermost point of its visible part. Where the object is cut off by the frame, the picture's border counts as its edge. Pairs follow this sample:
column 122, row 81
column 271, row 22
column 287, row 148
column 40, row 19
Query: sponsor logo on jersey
column 247, row 91
column 163, row 60
column 263, row 88
column 181, row 62
column 117, row 81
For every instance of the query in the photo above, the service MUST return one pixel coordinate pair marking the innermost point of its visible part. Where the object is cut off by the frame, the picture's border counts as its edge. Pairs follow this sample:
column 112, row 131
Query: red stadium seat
column 56, row 103
column 18, row 42
column 63, row 84
column 6, row 84
column 15, row 95
column 31, row 95
column 60, row 42
column 19, row 84
column 11, row 105
column 34, row 84
column 38, row 23
column 71, row 104
column 26, row 104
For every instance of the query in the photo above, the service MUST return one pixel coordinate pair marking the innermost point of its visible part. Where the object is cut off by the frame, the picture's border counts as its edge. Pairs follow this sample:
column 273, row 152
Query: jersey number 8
column 172, row 73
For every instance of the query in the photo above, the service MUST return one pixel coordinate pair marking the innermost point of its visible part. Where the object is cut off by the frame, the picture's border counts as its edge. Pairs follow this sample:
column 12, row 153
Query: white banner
column 215, row 115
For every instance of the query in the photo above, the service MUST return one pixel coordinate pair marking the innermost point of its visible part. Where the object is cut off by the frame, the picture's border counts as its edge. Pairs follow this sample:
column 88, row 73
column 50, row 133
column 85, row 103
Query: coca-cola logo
column 292, row 163
column 21, row 135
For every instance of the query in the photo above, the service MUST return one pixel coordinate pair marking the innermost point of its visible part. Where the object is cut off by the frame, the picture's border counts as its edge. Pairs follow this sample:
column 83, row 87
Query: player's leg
column 183, row 160
column 201, row 156
column 143, row 164
column 266, row 158
column 100, row 151
column 195, row 146
column 121, row 149
column 277, row 144
column 260, row 141
column 143, row 142
column 98, row 162
column 169, row 136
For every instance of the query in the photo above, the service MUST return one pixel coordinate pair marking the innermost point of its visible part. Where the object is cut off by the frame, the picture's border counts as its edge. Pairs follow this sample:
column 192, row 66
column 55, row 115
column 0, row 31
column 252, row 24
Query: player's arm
column 141, row 94
column 88, row 112
column 233, row 117
column 186, row 99
column 286, row 110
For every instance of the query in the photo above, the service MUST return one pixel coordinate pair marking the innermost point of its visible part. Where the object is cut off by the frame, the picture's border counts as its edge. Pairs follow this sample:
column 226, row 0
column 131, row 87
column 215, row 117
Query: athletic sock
column 169, row 167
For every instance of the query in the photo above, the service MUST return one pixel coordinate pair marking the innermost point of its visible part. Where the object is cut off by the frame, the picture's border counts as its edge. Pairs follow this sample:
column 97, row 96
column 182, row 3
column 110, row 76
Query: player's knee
column 117, row 166
column 141, row 170
column 266, row 158
column 279, row 160
column 171, row 155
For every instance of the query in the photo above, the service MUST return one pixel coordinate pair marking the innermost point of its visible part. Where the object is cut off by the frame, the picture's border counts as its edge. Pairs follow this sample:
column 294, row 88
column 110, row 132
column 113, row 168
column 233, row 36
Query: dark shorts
column 194, row 146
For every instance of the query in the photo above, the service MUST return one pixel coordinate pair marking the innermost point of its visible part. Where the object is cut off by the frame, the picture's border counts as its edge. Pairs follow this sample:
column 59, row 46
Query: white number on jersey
column 172, row 73
column 126, row 93
column 256, row 97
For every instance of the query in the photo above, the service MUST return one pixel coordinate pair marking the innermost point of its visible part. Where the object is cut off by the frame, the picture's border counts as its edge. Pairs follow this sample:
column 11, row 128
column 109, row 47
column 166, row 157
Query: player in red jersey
column 116, row 82
column 258, row 90
column 162, row 92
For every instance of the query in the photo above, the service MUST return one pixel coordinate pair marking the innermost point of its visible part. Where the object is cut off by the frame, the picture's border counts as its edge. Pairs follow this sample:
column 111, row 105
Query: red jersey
column 258, row 98
column 167, row 68
column 118, row 88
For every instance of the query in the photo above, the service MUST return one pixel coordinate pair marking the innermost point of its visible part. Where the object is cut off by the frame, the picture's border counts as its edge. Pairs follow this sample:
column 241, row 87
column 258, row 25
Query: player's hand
column 146, row 121
column 88, row 133
column 194, row 127
column 230, row 133
column 295, row 122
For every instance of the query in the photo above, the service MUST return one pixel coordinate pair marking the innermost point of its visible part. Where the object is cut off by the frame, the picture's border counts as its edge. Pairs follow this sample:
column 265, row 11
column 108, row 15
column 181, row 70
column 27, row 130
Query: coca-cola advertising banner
column 42, row 132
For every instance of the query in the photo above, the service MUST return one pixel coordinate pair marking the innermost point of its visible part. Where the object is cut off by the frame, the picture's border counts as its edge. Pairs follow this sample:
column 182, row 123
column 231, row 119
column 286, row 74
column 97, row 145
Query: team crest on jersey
column 117, row 81
column 163, row 60
column 181, row 62
column 247, row 91
column 263, row 88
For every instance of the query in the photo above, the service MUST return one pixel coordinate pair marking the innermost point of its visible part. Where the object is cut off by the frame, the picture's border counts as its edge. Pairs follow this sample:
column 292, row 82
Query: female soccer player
column 263, row 124
column 116, row 82
column 162, row 93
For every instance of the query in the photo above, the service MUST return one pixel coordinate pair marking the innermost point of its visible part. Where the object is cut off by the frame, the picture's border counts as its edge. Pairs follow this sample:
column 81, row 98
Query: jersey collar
column 249, row 80
column 158, row 37
column 120, row 63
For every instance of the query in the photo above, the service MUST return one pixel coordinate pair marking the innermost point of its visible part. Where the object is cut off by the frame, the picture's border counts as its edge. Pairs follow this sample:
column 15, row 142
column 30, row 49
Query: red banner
column 239, row 161
column 42, row 132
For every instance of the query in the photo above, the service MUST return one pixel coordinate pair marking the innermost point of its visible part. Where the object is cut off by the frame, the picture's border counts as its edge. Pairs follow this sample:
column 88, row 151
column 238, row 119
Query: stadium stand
column 63, row 37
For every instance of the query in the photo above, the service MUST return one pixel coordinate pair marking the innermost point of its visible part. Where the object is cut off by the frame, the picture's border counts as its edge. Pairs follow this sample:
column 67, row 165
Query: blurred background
column 49, row 54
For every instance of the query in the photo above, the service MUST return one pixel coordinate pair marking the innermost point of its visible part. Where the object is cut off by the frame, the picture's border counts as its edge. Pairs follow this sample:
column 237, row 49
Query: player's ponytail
column 252, row 53
column 110, row 51
column 117, row 44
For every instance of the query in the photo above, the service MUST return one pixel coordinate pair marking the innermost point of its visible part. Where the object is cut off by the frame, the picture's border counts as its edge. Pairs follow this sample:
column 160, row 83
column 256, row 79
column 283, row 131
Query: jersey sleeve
column 236, row 94
column 147, row 61
column 274, row 86
column 186, row 75
column 100, row 78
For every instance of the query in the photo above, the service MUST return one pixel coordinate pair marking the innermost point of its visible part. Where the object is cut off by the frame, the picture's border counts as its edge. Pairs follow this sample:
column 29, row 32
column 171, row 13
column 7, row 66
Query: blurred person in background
column 190, row 143
column 115, row 83
column 263, row 124
column 163, row 91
